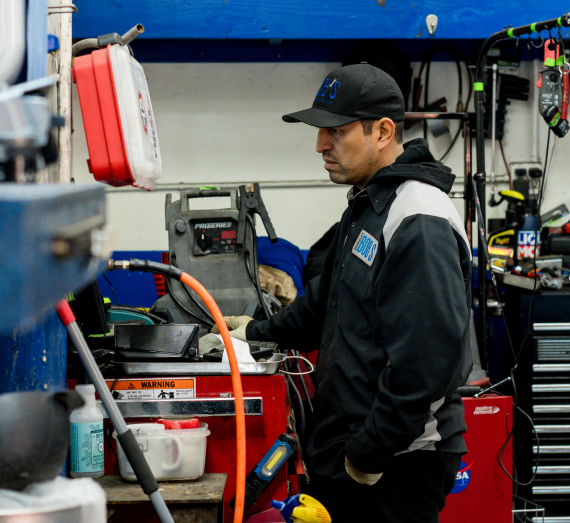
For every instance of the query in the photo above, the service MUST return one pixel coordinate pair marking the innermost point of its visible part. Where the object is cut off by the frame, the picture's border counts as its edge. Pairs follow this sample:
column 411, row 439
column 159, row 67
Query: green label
column 87, row 447
column 550, row 62
column 555, row 120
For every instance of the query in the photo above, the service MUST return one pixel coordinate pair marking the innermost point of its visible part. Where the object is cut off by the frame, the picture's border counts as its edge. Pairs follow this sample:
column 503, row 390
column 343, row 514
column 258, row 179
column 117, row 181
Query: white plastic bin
column 171, row 454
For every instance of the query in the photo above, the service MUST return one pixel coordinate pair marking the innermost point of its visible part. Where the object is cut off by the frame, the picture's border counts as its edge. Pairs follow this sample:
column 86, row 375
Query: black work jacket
column 390, row 317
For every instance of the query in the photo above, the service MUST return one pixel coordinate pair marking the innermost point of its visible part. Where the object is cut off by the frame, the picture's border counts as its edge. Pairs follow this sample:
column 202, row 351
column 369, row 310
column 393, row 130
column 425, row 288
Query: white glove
column 236, row 325
column 361, row 477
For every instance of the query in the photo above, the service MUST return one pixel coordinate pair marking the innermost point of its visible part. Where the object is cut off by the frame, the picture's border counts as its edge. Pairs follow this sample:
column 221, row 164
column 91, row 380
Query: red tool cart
column 210, row 399
column 483, row 492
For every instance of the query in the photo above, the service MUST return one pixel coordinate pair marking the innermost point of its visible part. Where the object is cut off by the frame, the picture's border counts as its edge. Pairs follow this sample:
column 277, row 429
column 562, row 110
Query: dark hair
column 367, row 129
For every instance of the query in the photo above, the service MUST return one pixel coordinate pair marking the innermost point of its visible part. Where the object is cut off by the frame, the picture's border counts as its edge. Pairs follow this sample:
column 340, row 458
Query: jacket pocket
column 352, row 302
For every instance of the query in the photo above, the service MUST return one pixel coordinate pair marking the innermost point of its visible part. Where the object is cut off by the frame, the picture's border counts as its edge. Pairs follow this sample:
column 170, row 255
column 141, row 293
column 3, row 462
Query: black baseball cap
column 352, row 93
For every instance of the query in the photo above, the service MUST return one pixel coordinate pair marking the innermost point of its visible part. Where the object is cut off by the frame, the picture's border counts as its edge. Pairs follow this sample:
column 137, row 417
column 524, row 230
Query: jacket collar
column 415, row 163
column 377, row 194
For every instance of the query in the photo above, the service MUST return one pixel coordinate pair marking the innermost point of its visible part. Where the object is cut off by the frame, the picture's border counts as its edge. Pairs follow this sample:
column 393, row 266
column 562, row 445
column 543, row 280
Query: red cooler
column 118, row 118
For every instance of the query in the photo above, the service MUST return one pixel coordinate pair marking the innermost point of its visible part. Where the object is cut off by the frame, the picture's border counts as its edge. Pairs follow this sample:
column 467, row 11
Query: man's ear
column 386, row 132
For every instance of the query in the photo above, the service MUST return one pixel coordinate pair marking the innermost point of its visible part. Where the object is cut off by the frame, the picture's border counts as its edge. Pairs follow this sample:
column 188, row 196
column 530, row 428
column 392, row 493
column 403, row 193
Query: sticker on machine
column 486, row 410
column 365, row 248
column 463, row 477
column 156, row 389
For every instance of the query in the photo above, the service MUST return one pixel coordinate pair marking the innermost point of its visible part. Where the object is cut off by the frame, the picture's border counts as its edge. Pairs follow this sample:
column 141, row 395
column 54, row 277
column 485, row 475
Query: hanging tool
column 264, row 472
column 302, row 509
column 251, row 203
column 553, row 84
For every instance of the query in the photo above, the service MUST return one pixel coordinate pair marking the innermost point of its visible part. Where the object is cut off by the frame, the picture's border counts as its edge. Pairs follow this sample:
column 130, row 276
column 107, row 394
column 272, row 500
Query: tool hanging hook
column 560, row 42
column 539, row 45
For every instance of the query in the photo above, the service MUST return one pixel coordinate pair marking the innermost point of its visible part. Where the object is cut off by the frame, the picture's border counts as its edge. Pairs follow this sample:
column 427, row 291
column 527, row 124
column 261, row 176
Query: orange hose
column 238, row 391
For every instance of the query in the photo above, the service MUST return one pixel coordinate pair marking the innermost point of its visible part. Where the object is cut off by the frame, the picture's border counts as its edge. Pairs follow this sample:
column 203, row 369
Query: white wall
column 222, row 123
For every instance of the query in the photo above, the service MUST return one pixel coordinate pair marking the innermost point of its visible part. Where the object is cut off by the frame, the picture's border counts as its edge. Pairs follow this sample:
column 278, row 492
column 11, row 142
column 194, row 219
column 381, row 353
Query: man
column 389, row 314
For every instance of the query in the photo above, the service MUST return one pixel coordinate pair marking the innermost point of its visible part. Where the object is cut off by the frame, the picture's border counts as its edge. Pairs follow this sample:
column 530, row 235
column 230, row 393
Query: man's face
column 350, row 157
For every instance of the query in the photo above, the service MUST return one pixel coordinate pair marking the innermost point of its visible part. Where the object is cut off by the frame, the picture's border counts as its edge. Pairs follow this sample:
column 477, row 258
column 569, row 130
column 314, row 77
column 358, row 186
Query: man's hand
column 360, row 477
column 236, row 325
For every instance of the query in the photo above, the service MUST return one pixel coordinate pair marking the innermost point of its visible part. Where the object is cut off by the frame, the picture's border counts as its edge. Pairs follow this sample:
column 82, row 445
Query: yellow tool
column 302, row 509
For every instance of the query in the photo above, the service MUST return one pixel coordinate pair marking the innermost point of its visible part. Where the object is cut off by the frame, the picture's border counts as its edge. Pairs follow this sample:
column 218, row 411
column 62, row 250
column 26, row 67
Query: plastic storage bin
column 171, row 454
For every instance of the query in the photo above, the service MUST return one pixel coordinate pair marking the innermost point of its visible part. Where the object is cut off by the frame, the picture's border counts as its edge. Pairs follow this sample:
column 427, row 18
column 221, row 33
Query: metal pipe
column 493, row 131
column 132, row 33
column 468, row 191
column 536, row 118
column 88, row 43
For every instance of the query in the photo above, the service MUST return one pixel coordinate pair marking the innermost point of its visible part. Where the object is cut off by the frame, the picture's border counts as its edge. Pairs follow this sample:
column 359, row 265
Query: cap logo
column 328, row 91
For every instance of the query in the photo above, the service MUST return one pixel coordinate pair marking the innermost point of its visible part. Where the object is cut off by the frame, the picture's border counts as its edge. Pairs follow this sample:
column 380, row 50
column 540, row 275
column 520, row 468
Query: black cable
column 181, row 305
column 112, row 290
column 193, row 298
column 247, row 254
column 254, row 271
column 516, row 482
column 256, row 268
column 128, row 308
column 427, row 61
column 458, row 55
column 300, row 403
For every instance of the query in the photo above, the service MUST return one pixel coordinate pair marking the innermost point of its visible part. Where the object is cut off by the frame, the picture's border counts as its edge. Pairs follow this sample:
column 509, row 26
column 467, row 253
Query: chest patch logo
column 365, row 248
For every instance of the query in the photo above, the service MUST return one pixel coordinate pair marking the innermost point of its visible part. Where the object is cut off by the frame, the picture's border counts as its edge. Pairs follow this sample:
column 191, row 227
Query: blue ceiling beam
column 308, row 19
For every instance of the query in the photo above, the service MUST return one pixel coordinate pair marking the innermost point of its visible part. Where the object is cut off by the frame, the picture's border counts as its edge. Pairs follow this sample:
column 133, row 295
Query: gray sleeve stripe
column 415, row 197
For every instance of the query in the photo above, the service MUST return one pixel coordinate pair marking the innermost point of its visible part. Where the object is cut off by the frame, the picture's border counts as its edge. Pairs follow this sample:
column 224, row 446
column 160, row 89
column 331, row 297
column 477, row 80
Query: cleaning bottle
column 87, row 458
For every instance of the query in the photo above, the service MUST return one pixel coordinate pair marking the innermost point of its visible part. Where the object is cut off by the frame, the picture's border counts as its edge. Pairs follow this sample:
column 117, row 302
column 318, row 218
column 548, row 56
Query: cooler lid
column 137, row 118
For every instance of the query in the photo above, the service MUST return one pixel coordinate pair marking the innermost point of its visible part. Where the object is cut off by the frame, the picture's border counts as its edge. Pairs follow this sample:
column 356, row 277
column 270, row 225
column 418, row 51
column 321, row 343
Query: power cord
column 509, row 438
column 112, row 290
column 128, row 308
column 182, row 306
column 193, row 298
column 253, row 270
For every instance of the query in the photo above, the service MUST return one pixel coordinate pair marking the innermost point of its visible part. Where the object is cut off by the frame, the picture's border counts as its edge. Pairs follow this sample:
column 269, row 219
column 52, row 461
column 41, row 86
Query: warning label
column 158, row 389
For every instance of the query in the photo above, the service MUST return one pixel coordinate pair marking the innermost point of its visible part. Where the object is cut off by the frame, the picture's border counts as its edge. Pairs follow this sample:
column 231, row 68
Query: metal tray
column 205, row 368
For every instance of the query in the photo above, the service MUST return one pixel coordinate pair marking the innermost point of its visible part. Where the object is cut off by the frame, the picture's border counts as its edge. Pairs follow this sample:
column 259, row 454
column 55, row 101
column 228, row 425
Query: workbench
column 197, row 501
